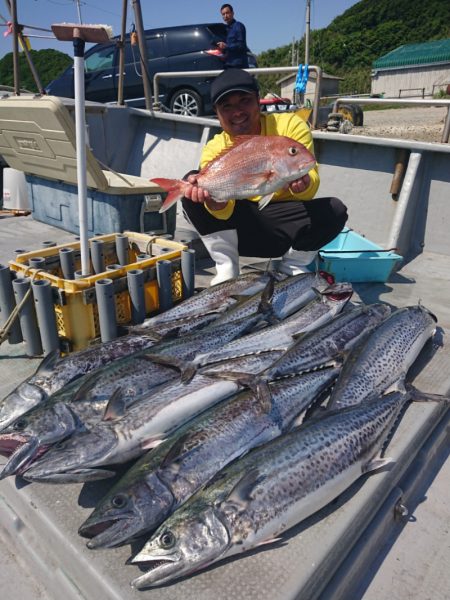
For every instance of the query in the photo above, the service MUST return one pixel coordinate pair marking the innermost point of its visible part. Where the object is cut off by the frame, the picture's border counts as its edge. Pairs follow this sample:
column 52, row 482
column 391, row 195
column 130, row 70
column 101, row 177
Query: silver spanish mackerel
column 168, row 475
column 329, row 342
column 217, row 297
column 55, row 372
column 287, row 296
column 136, row 375
column 384, row 357
column 322, row 308
column 255, row 499
column 30, row 436
column 143, row 425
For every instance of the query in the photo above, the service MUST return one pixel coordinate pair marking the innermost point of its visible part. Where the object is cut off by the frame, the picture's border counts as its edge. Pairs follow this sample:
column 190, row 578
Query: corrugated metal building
column 413, row 70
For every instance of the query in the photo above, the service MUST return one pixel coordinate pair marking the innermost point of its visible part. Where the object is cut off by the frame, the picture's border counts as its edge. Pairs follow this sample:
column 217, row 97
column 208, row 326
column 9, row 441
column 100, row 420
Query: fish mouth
column 10, row 442
column 107, row 533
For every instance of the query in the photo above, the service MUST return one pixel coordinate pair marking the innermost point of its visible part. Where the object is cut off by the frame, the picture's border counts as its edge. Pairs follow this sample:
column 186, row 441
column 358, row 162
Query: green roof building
column 413, row 70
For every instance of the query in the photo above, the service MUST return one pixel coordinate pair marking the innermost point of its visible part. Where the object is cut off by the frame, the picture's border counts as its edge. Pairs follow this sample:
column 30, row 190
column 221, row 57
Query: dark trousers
column 270, row 232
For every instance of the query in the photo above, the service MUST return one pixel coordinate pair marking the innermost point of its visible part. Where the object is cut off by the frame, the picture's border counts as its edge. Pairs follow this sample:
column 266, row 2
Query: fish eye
column 292, row 151
column 167, row 539
column 119, row 501
column 20, row 424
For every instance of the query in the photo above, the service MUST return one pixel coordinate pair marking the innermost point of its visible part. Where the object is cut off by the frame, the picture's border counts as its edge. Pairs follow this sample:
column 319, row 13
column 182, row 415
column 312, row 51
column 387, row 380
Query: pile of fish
column 245, row 409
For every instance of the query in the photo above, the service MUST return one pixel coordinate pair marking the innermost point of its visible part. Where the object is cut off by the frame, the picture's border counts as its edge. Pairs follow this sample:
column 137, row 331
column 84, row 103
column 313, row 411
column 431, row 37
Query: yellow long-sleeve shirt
column 288, row 124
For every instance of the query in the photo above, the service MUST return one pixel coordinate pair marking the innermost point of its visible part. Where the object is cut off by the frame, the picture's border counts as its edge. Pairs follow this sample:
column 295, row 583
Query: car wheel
column 186, row 102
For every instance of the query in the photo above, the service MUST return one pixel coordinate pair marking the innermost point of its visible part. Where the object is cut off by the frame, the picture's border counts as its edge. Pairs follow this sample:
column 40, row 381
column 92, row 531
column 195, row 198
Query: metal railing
column 403, row 101
column 257, row 71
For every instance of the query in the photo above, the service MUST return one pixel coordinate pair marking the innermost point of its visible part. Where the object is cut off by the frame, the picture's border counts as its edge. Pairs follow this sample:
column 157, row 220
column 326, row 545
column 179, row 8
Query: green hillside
column 363, row 33
column 48, row 63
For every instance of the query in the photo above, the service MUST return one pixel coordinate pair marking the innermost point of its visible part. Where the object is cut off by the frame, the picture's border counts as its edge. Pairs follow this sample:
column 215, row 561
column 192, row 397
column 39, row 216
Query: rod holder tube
column 37, row 262
column 143, row 256
column 135, row 279
column 188, row 272
column 98, row 256
column 67, row 263
column 78, row 274
column 164, row 277
column 45, row 313
column 104, row 291
column 122, row 249
column 48, row 244
column 27, row 316
column 7, row 305
column 113, row 267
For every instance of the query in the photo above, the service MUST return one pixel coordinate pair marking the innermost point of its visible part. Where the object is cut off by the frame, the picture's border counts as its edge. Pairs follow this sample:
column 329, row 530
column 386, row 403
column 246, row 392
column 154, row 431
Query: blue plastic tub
column 352, row 257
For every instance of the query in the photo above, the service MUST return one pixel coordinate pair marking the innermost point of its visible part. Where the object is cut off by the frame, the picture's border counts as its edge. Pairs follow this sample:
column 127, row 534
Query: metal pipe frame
column 257, row 71
column 402, row 101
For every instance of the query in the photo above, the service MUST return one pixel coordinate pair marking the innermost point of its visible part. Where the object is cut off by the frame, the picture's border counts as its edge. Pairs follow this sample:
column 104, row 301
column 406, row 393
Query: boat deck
column 359, row 547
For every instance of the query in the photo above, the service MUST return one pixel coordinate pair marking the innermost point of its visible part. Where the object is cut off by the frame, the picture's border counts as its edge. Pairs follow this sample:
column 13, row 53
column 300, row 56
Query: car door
column 100, row 73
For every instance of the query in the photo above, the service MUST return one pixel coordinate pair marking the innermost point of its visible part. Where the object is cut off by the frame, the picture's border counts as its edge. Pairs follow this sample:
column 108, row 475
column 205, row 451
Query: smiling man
column 293, row 225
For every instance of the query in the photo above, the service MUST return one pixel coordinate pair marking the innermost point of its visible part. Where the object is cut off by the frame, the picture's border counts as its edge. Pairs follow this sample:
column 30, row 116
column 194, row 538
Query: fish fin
column 419, row 396
column 265, row 305
column 175, row 451
column 376, row 464
column 244, row 379
column 264, row 396
column 115, row 409
column 165, row 361
column 265, row 200
column 188, row 372
column 269, row 541
column 84, row 388
column 151, row 443
column 174, row 187
column 48, row 363
column 240, row 495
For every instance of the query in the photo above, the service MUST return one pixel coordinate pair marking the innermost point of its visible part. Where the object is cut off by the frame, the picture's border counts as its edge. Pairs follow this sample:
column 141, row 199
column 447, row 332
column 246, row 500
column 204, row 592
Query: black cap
column 232, row 80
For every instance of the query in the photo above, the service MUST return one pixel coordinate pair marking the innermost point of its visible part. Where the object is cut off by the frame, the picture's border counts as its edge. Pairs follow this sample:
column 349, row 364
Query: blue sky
column 269, row 23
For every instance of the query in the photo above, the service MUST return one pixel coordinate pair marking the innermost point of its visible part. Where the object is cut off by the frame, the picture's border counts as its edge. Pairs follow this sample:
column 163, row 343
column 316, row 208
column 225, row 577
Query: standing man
column 235, row 47
column 294, row 225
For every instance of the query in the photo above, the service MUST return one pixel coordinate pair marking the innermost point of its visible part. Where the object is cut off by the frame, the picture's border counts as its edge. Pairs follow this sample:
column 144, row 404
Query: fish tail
column 175, row 187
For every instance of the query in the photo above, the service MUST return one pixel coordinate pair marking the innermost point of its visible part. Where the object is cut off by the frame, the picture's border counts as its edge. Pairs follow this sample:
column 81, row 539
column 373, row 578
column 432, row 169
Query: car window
column 218, row 32
column 100, row 60
column 155, row 49
column 184, row 41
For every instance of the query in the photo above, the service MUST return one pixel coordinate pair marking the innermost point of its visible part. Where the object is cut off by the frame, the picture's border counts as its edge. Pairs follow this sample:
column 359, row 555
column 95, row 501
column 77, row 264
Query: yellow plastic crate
column 76, row 311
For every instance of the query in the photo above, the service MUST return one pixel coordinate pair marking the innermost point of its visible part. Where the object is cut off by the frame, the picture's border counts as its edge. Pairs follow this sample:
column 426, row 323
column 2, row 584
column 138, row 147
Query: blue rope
column 302, row 79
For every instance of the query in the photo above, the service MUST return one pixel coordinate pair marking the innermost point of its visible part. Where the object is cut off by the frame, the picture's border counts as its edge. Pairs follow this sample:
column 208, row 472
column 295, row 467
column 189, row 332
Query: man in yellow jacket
column 292, row 225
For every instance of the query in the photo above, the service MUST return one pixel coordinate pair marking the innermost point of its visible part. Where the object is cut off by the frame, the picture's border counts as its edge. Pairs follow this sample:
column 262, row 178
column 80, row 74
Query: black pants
column 270, row 232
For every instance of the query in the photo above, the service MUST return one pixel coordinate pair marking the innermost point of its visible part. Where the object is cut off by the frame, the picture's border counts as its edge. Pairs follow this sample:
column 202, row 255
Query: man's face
column 239, row 113
column 227, row 15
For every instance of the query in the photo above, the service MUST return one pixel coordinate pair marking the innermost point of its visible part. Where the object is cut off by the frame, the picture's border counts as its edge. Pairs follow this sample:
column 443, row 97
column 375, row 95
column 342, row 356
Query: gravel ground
column 424, row 124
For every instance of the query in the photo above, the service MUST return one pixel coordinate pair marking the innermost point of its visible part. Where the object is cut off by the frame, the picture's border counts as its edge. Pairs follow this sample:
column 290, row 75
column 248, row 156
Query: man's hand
column 221, row 45
column 195, row 193
column 299, row 185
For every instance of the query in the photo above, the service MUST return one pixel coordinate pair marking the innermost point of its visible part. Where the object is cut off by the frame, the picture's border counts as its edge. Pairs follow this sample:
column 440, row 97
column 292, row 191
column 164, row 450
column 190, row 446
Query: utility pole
column 307, row 27
column 79, row 12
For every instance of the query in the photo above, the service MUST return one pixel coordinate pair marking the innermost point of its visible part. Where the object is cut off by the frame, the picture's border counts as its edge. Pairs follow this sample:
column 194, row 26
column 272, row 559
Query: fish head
column 25, row 397
column 338, row 294
column 127, row 512
column 74, row 455
column 291, row 160
column 29, row 436
column 186, row 542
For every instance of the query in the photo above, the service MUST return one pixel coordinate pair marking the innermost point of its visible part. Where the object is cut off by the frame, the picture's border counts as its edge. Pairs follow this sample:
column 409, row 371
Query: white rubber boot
column 295, row 262
column 223, row 249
